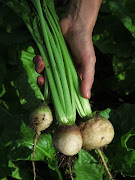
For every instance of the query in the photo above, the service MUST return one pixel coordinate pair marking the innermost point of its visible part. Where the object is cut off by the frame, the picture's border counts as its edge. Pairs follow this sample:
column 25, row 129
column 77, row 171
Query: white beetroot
column 67, row 140
column 96, row 133
column 40, row 119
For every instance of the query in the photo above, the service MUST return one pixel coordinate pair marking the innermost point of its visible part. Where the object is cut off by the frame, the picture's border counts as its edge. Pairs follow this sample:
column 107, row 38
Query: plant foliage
column 114, row 40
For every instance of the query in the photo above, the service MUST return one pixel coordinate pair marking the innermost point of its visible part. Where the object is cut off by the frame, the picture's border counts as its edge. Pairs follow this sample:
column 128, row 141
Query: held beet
column 41, row 118
column 97, row 132
column 67, row 140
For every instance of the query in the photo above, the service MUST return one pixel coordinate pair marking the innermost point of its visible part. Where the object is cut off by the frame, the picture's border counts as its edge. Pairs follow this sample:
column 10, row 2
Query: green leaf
column 110, row 36
column 124, row 70
column 125, row 139
column 26, row 83
column 15, row 173
column 123, row 117
column 8, row 133
column 23, row 150
column 123, row 10
column 9, row 20
column 114, row 34
column 44, row 146
column 44, row 149
column 5, row 178
column 27, row 60
column 121, row 152
column 105, row 113
column 87, row 167
column 129, row 158
column 2, row 71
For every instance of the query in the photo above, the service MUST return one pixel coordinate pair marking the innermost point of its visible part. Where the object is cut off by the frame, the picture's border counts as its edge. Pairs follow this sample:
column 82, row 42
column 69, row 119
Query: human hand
column 77, row 27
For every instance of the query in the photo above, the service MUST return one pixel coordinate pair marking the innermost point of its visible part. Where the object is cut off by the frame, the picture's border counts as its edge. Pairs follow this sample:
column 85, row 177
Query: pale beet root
column 41, row 118
column 67, row 140
column 96, row 133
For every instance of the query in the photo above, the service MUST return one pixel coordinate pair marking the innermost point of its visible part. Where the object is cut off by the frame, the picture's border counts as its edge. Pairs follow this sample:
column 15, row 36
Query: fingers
column 40, row 82
column 39, row 67
column 88, row 71
column 39, row 64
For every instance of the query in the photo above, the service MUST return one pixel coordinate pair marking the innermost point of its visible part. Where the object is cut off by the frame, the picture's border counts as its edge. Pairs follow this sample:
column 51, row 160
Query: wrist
column 83, row 13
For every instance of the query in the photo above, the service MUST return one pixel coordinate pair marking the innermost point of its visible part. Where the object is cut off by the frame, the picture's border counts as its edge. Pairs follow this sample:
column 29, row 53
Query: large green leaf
column 110, row 36
column 114, row 34
column 121, row 152
column 19, row 79
column 26, row 82
column 87, row 167
column 44, row 148
column 124, row 11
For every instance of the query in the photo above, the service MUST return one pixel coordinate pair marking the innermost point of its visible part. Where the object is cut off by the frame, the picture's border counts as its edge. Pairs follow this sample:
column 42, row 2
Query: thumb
column 88, row 71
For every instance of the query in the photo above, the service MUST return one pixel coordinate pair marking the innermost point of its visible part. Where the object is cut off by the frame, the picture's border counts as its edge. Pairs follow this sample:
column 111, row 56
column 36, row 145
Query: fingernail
column 88, row 94
column 80, row 74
